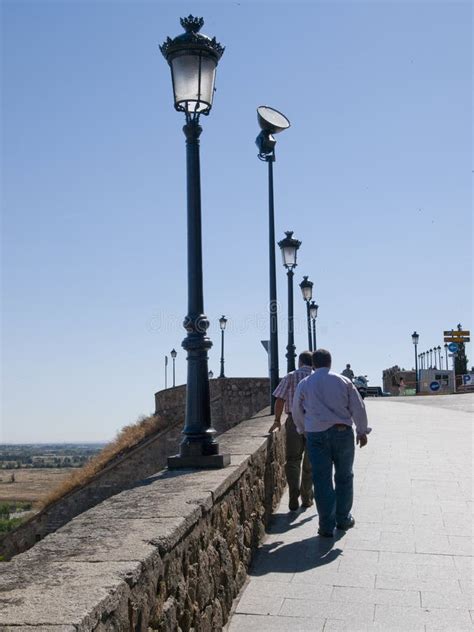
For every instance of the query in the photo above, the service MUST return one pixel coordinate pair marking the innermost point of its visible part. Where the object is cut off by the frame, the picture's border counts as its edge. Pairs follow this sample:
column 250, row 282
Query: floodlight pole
column 273, row 305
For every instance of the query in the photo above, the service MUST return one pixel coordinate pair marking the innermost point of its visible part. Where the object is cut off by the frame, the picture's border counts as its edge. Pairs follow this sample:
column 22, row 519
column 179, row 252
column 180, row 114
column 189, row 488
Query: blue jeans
column 332, row 447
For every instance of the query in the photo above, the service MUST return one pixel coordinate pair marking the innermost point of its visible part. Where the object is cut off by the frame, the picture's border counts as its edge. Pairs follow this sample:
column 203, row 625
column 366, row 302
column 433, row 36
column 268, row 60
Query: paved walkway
column 407, row 564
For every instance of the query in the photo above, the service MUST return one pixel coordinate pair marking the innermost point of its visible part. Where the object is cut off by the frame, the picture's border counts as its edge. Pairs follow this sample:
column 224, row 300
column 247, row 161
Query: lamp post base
column 203, row 461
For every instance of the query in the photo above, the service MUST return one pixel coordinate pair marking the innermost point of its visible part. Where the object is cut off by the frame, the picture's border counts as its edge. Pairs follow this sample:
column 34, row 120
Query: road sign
column 453, row 347
column 435, row 386
column 467, row 379
column 456, row 339
column 456, row 332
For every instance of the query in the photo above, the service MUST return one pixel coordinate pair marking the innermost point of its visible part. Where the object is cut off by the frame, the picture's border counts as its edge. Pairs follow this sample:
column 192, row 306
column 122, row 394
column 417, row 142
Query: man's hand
column 276, row 426
column 362, row 440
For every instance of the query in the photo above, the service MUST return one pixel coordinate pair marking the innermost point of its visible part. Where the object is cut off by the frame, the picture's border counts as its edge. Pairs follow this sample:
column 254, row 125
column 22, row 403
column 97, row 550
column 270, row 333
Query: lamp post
column 222, row 323
column 166, row 371
column 307, row 291
column 210, row 375
column 446, row 354
column 173, row 354
column 415, row 337
column 439, row 356
column 313, row 312
column 193, row 59
column 271, row 122
column 289, row 250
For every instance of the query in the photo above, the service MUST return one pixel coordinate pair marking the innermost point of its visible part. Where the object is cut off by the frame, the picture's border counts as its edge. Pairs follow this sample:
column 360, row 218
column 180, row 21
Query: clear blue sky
column 374, row 177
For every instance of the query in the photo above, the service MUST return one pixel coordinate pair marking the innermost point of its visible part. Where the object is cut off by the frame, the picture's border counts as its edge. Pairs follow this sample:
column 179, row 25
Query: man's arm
column 279, row 406
column 298, row 408
column 359, row 415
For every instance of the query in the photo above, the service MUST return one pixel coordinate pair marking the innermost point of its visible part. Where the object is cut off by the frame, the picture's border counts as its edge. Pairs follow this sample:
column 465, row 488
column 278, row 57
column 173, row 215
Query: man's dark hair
column 306, row 358
column 321, row 358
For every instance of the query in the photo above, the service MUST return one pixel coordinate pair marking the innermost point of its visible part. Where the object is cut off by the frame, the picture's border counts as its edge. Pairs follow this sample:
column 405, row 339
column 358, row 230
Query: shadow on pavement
column 296, row 556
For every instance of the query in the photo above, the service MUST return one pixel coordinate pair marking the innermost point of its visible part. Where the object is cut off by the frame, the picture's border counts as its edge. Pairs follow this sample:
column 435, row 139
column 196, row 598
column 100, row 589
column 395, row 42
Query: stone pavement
column 407, row 564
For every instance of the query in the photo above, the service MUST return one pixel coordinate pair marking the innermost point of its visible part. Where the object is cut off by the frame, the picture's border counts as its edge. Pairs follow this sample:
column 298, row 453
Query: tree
column 460, row 359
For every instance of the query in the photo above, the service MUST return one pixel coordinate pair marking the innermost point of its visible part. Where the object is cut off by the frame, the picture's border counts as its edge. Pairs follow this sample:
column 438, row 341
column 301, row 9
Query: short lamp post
column 439, row 355
column 210, row 375
column 313, row 312
column 431, row 358
column 307, row 291
column 415, row 337
column 289, row 250
column 193, row 59
column 222, row 324
column 173, row 354
column 446, row 354
column 271, row 122
column 166, row 371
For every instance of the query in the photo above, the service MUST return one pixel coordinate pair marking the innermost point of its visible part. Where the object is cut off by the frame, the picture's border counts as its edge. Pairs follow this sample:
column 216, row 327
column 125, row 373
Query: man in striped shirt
column 299, row 482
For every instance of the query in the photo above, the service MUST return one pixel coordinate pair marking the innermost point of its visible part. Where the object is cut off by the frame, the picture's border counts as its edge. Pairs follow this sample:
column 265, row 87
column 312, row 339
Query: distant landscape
column 28, row 473
column 49, row 455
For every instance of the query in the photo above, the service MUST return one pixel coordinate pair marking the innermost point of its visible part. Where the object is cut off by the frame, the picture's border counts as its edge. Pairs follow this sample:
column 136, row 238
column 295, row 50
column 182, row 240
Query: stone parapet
column 170, row 554
column 233, row 399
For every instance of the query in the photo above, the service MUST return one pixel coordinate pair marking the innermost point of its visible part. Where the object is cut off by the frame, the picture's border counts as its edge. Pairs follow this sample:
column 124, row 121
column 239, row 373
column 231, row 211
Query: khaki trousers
column 300, row 483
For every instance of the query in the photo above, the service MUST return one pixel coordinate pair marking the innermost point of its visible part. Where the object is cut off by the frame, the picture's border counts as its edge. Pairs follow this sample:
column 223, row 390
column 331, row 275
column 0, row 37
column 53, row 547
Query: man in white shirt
column 324, row 407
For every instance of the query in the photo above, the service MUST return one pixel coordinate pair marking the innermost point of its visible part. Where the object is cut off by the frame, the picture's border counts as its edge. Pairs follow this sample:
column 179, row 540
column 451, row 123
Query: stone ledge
column 168, row 554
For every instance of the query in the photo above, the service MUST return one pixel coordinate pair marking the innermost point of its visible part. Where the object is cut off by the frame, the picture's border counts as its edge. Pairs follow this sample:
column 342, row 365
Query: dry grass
column 126, row 439
column 30, row 483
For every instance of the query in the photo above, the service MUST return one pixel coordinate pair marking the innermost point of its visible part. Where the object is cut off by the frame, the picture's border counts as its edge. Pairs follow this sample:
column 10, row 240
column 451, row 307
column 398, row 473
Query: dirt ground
column 30, row 484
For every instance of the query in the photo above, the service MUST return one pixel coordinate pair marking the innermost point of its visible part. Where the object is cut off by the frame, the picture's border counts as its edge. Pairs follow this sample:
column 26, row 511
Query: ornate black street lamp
column 222, row 323
column 271, row 122
column 173, row 354
column 415, row 337
column 313, row 312
column 307, row 291
column 193, row 59
column 289, row 250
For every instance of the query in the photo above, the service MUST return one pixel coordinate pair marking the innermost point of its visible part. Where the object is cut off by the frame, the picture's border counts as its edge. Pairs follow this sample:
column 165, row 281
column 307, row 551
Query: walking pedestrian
column 325, row 405
column 297, row 467
column 401, row 387
column 348, row 372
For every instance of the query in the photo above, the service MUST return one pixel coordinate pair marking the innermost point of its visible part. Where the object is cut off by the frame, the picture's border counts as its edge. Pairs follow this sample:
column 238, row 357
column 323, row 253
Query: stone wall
column 170, row 554
column 228, row 397
column 232, row 399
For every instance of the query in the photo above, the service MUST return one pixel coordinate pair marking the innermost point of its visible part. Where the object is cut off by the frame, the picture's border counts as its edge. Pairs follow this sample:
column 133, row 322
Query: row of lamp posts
column 289, row 249
column 193, row 58
column 174, row 353
column 433, row 358
column 430, row 359
column 311, row 311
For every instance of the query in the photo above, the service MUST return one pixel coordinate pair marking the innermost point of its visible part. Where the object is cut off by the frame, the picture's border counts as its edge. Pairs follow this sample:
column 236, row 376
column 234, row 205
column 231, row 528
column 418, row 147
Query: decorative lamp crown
column 306, row 289
column 289, row 248
column 193, row 58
